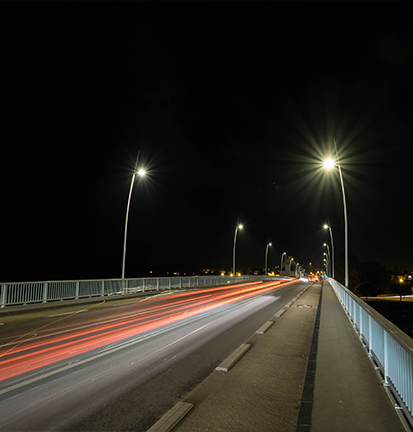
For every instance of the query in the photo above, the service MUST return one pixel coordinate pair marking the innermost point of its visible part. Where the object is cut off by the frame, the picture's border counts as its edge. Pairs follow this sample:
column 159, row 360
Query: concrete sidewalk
column 264, row 390
column 348, row 394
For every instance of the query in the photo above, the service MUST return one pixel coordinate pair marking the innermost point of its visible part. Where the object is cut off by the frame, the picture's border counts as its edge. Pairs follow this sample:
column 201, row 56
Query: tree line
column 369, row 279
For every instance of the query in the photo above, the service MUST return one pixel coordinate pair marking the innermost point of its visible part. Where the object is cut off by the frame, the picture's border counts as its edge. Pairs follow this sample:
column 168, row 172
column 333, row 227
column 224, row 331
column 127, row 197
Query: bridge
column 326, row 361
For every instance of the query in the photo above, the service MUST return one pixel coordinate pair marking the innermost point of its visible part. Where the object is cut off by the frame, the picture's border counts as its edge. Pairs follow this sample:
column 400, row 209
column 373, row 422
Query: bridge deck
column 271, row 388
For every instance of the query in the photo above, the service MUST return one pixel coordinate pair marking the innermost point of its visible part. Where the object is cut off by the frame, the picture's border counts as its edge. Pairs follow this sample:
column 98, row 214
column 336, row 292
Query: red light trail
column 29, row 353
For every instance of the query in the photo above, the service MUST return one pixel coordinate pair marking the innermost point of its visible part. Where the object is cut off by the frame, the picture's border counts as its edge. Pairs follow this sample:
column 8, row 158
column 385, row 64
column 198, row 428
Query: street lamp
column 266, row 255
column 332, row 246
column 284, row 253
column 329, row 164
column 233, row 254
column 326, row 259
column 329, row 256
column 326, row 264
column 140, row 172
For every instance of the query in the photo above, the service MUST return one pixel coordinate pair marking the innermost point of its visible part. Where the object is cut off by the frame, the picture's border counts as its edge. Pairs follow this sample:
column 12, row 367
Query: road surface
column 120, row 366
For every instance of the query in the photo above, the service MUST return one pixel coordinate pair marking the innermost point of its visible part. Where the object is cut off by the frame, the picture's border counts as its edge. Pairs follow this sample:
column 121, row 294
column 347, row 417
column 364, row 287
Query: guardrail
column 21, row 293
column 389, row 347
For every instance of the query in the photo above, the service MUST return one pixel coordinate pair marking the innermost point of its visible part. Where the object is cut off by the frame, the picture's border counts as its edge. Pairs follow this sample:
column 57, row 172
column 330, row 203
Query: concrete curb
column 169, row 420
column 279, row 313
column 264, row 327
column 233, row 358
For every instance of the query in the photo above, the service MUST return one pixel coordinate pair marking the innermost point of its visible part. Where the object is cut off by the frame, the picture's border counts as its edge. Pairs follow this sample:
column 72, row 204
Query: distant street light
column 329, row 164
column 332, row 246
column 266, row 255
column 140, row 172
column 233, row 254
column 329, row 257
column 284, row 253
column 326, row 260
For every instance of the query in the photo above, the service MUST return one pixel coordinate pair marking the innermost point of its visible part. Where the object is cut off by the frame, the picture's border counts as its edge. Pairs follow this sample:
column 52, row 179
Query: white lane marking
column 65, row 313
column 134, row 315
column 87, row 360
column 183, row 337
column 18, row 341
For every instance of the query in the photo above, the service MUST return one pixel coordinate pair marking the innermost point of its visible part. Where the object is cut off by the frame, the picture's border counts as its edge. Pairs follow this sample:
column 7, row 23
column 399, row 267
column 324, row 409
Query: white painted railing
column 389, row 347
column 18, row 293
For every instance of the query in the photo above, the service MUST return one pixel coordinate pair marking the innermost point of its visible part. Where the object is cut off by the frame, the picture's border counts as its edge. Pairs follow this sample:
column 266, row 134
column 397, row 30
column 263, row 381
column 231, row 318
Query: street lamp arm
column 233, row 252
column 126, row 227
column 345, row 220
column 266, row 257
column 127, row 216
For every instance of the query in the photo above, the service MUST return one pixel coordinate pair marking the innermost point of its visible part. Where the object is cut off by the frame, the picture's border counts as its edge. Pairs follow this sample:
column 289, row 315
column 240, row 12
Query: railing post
column 3, row 297
column 180, row 282
column 103, row 289
column 157, row 284
column 370, row 336
column 170, row 283
column 386, row 357
column 361, row 323
column 77, row 290
column 45, row 289
column 143, row 285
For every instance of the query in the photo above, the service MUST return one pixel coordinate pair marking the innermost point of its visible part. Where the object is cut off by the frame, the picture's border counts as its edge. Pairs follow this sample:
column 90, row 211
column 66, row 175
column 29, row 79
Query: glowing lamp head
column 329, row 164
column 239, row 226
column 141, row 172
column 325, row 244
column 269, row 244
column 326, row 227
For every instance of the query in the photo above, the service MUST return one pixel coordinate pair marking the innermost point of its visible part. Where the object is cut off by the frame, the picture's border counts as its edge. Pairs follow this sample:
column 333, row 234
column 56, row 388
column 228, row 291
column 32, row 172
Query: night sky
column 233, row 107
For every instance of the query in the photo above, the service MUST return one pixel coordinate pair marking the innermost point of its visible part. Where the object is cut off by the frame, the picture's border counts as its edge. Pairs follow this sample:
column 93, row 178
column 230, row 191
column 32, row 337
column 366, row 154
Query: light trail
column 25, row 355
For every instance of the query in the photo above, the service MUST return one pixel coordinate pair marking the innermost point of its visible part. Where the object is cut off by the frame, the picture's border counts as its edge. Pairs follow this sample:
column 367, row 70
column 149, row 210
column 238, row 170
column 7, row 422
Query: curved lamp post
column 140, row 172
column 329, row 164
column 266, row 256
column 326, row 264
column 284, row 253
column 329, row 256
column 326, row 259
column 332, row 246
column 233, row 254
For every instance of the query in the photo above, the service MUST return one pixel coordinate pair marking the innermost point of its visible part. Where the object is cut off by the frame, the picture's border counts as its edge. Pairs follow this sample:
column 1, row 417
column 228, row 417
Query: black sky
column 233, row 107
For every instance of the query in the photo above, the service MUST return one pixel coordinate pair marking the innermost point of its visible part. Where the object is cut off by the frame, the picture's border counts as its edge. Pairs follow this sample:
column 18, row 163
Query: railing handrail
column 390, row 347
column 398, row 335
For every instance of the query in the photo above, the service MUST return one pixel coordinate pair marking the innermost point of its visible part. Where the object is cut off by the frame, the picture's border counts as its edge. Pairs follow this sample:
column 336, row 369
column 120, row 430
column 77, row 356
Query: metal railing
column 389, row 347
column 21, row 293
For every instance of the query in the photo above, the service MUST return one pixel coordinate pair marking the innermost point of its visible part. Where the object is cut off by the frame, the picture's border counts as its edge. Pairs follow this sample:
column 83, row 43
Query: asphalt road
column 123, row 383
